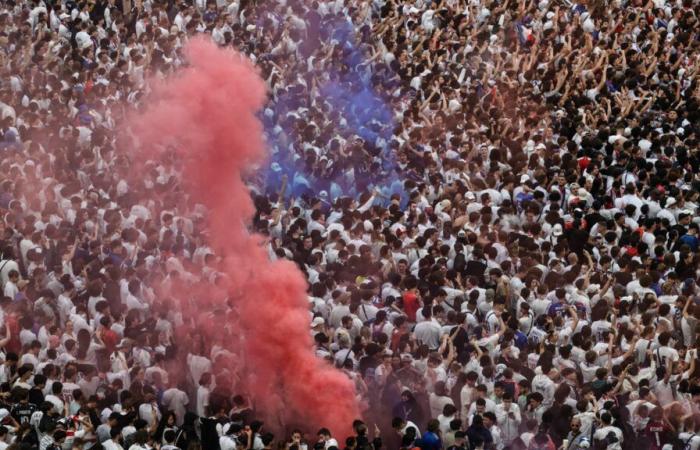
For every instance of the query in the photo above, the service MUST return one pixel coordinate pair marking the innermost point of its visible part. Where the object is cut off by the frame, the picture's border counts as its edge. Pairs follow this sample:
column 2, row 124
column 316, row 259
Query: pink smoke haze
column 209, row 109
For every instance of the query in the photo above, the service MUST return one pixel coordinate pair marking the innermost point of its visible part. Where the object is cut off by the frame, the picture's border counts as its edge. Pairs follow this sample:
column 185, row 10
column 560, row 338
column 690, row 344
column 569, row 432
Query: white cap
column 317, row 321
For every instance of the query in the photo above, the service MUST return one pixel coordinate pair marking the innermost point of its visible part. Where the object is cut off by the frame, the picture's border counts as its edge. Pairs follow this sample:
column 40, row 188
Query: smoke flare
column 209, row 108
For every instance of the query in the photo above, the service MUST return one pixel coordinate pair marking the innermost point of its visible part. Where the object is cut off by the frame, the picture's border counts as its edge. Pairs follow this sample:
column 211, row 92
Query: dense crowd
column 494, row 202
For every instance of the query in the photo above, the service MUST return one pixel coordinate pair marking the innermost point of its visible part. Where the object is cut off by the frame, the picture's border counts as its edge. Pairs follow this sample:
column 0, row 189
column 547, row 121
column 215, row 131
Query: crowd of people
column 494, row 202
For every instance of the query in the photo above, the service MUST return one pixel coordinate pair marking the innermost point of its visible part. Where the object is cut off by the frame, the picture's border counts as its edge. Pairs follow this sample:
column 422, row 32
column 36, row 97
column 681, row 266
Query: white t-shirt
column 331, row 443
column 691, row 441
column 428, row 332
column 227, row 443
column 11, row 290
column 410, row 424
column 602, row 433
column 202, row 401
column 667, row 354
column 437, row 403
column 176, row 401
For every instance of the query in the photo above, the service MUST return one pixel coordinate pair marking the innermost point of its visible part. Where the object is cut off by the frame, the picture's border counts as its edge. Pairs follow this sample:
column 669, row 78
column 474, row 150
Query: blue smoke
column 351, row 97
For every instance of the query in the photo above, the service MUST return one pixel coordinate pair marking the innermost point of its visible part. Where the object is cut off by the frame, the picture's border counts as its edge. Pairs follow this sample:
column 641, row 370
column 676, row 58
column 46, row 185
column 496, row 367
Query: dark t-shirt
column 23, row 412
column 36, row 397
column 658, row 434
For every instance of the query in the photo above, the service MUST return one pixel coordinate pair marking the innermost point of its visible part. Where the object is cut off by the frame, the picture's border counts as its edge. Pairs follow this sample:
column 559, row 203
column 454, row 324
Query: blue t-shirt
column 691, row 241
column 556, row 309
column 431, row 441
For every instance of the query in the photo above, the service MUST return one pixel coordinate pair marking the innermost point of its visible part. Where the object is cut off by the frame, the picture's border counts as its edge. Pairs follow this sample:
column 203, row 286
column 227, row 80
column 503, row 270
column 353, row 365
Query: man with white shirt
column 82, row 37
column 508, row 415
column 690, row 440
column 428, row 331
column 669, row 212
column 27, row 336
column 324, row 436
column 665, row 355
column 317, row 222
column 229, row 440
column 31, row 357
column 176, row 400
column 543, row 384
column 491, row 423
column 340, row 310
column 493, row 317
column 606, row 427
column 133, row 302
column 401, row 426
column 481, row 404
column 55, row 397
column 468, row 393
column 4, row 434
column 115, row 435
column 366, row 311
column 11, row 290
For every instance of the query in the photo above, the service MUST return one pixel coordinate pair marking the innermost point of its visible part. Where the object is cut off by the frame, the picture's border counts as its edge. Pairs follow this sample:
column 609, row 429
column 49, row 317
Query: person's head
column 535, row 399
column 434, row 426
column 324, row 434
column 256, row 426
column 169, row 436
column 35, row 347
column 398, row 423
column 267, row 439
column 449, row 410
column 25, row 372
column 115, row 433
column 575, row 424
column 59, row 436
column 113, row 420
column 13, row 276
column 297, row 435
column 507, row 399
column 206, row 379
column 489, row 419
column 141, row 437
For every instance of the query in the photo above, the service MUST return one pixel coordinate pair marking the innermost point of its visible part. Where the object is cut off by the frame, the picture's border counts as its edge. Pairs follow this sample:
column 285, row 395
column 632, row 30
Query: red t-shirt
column 14, row 345
column 110, row 339
column 410, row 305
column 658, row 434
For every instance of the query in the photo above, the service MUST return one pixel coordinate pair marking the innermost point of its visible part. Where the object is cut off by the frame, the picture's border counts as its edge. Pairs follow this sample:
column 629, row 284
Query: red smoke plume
column 209, row 109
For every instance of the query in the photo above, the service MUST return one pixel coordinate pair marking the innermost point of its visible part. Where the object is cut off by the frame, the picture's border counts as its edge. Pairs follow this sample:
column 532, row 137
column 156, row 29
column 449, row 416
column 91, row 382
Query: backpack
column 545, row 446
column 368, row 322
column 509, row 387
column 376, row 330
column 679, row 444
column 460, row 263
column 660, row 362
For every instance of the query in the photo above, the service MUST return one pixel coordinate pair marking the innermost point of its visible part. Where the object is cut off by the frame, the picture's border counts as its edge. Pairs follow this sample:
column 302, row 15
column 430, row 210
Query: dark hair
column 169, row 436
